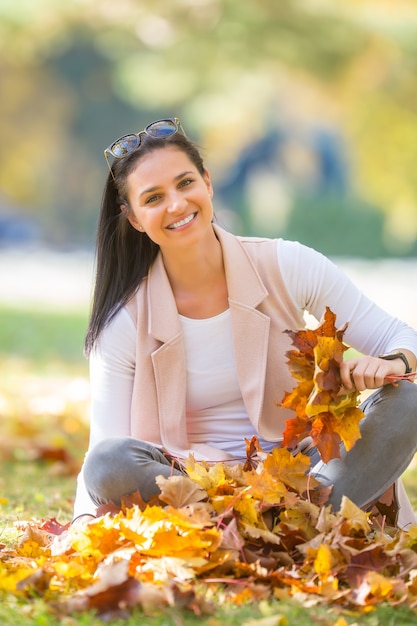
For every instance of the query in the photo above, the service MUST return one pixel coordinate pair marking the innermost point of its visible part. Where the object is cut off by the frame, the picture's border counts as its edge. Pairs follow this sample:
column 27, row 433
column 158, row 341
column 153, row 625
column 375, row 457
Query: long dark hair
column 124, row 255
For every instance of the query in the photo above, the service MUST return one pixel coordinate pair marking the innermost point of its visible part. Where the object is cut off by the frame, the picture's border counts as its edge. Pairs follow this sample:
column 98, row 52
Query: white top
column 313, row 282
column 216, row 414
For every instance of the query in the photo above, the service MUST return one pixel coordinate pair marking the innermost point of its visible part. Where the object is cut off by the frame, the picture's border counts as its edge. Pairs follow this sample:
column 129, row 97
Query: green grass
column 42, row 337
column 46, row 349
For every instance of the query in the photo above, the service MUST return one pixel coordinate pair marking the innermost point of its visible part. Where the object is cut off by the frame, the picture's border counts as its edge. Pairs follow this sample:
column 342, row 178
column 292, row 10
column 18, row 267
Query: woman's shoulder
column 118, row 331
column 278, row 244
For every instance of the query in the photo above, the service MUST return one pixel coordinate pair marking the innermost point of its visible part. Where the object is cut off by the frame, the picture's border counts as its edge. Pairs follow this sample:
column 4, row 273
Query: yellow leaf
column 289, row 469
column 375, row 589
column 265, row 487
column 340, row 622
column 10, row 577
column 169, row 532
column 355, row 516
column 248, row 508
column 208, row 478
column 303, row 518
column 324, row 561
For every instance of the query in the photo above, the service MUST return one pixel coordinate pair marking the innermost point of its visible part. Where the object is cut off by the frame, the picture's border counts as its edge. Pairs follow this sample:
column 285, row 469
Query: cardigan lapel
column 168, row 359
column 249, row 325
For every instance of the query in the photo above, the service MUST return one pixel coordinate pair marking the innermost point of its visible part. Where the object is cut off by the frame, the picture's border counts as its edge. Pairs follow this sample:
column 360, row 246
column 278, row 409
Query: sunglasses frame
column 177, row 127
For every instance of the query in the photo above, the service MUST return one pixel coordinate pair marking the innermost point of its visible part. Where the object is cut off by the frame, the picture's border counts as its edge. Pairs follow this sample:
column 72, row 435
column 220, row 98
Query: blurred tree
column 74, row 75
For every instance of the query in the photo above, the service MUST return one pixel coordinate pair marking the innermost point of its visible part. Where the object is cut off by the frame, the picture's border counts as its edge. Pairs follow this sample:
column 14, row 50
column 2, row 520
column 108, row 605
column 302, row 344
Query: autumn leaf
column 325, row 560
column 322, row 410
column 179, row 491
column 303, row 517
column 53, row 527
column 357, row 518
column 289, row 469
column 211, row 478
column 254, row 453
column 265, row 487
column 376, row 588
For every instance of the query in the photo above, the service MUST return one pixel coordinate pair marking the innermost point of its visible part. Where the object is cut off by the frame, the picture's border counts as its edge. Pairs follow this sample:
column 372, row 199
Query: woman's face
column 169, row 199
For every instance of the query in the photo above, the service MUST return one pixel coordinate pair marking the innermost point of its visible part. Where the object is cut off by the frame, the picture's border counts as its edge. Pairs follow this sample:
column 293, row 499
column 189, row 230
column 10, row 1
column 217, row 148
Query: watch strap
column 397, row 355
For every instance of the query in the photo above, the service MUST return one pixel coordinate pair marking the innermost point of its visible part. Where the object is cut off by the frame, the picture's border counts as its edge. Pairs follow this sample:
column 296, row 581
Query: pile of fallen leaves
column 231, row 533
column 43, row 418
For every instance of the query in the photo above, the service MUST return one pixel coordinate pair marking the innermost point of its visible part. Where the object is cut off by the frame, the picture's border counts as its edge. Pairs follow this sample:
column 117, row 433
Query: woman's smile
column 182, row 222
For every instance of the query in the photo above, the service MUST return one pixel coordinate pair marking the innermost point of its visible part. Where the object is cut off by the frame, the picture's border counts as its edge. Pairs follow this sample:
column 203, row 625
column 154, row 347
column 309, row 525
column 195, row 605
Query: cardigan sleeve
column 314, row 282
column 112, row 367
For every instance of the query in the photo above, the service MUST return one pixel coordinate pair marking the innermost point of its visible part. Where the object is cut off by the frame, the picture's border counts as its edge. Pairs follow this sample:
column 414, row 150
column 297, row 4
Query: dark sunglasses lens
column 124, row 145
column 163, row 128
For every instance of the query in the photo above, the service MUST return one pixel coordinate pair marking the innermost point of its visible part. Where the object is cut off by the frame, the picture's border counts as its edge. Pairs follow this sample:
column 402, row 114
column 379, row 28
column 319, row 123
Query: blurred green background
column 306, row 112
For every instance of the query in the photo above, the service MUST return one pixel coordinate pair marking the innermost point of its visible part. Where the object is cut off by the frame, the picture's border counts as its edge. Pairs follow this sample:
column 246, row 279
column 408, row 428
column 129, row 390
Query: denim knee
column 119, row 466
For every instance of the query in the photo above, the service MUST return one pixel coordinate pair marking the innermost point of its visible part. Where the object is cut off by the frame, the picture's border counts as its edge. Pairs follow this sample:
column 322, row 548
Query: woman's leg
column 119, row 466
column 387, row 446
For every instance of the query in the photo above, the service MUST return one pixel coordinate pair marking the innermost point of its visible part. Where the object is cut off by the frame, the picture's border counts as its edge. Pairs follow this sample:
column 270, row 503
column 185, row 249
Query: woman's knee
column 122, row 465
column 392, row 407
column 116, row 451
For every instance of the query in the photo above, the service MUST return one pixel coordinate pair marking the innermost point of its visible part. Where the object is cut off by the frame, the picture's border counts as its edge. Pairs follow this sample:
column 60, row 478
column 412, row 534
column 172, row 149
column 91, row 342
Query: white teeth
column 182, row 222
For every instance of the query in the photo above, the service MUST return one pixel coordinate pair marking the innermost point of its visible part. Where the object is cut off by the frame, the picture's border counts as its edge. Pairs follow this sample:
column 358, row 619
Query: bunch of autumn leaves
column 258, row 530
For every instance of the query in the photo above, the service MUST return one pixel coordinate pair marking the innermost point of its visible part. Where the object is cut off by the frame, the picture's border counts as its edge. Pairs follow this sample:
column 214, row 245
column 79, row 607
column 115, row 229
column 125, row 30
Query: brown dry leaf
column 179, row 491
column 33, row 538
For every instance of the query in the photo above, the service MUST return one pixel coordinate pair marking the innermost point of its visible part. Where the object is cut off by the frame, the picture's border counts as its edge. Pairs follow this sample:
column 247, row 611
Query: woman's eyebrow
column 156, row 187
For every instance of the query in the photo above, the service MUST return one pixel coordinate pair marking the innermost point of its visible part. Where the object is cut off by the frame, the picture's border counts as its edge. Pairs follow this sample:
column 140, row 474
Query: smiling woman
column 187, row 341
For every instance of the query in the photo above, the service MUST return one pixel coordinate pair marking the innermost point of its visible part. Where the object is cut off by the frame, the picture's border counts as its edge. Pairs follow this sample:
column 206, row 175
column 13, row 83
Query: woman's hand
column 369, row 372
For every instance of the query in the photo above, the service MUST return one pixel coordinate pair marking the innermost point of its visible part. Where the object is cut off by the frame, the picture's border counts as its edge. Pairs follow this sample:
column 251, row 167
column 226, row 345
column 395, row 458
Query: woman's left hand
column 368, row 372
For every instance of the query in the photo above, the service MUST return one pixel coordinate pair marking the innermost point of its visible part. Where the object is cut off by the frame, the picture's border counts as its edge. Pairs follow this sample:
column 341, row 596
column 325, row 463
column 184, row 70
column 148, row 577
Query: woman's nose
column 176, row 203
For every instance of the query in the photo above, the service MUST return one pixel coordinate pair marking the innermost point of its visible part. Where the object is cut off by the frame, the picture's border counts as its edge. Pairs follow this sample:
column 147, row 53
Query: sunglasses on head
column 126, row 144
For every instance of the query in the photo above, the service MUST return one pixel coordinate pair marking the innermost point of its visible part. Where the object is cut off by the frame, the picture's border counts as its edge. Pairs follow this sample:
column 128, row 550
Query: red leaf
column 53, row 527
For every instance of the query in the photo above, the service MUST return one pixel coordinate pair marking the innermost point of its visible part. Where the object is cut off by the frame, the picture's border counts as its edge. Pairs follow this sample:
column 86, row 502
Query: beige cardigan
column 260, row 311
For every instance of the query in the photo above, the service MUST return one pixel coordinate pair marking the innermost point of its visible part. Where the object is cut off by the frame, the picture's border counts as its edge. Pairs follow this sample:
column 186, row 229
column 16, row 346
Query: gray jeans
column 122, row 465
column 377, row 460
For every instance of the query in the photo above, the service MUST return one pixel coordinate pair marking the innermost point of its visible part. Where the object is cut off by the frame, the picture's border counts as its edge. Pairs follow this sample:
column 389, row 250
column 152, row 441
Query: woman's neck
column 198, row 280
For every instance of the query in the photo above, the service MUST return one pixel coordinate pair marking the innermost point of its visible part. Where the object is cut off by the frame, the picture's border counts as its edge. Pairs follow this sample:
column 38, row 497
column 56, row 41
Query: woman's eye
column 185, row 182
column 151, row 199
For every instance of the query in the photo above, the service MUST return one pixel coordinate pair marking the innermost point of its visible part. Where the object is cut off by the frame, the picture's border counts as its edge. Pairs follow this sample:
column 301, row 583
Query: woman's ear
column 207, row 180
column 130, row 217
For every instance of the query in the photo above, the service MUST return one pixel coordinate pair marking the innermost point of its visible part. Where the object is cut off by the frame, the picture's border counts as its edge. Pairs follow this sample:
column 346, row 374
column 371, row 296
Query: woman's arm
column 314, row 282
column 112, row 368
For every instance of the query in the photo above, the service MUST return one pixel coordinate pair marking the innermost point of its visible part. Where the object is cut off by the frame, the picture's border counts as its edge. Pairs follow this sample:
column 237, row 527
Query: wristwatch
column 397, row 355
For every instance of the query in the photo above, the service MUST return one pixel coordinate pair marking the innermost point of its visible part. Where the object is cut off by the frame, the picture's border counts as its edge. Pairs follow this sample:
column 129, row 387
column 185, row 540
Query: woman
column 186, row 342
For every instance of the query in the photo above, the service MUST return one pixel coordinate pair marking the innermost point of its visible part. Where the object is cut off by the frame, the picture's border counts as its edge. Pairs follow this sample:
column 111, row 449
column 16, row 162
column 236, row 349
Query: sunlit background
column 306, row 112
